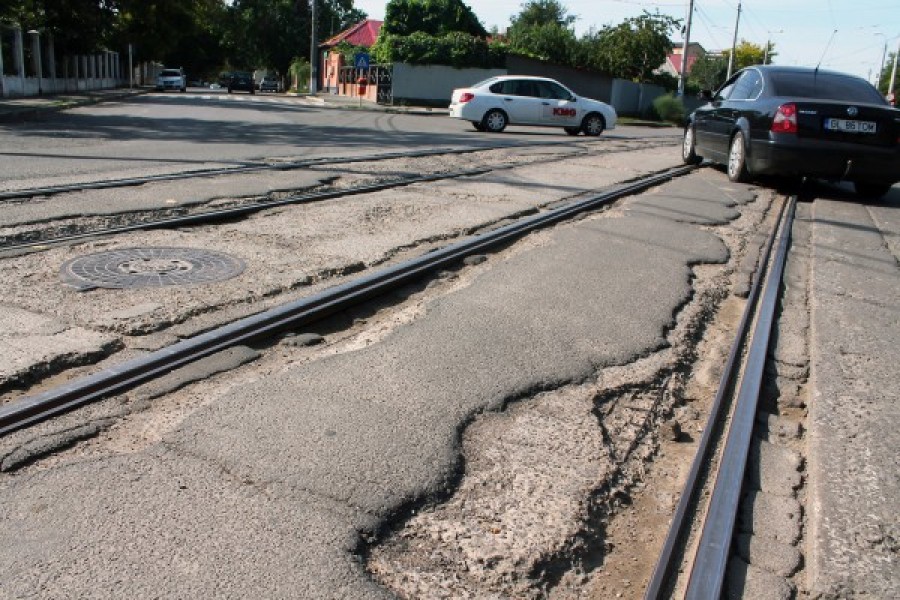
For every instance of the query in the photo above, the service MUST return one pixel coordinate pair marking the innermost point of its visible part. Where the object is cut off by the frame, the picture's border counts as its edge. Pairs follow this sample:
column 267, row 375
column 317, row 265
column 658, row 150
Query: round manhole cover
column 150, row 267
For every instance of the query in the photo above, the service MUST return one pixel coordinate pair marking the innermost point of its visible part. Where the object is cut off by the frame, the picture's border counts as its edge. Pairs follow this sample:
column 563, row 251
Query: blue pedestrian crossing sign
column 361, row 60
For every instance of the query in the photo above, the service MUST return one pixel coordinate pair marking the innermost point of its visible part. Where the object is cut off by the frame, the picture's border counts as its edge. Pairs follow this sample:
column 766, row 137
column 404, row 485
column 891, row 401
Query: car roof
column 798, row 70
column 533, row 77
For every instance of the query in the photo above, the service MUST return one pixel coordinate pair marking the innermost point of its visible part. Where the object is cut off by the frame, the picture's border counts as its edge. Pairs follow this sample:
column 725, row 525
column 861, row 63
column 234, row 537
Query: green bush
column 456, row 49
column 300, row 72
column 669, row 108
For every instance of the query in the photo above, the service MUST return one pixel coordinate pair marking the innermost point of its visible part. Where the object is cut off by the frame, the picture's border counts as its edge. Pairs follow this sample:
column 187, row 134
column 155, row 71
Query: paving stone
column 778, row 559
column 770, row 516
column 743, row 581
column 774, row 469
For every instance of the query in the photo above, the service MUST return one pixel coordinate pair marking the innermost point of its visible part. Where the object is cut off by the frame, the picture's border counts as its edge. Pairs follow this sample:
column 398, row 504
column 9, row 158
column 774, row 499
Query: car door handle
column 545, row 103
column 508, row 99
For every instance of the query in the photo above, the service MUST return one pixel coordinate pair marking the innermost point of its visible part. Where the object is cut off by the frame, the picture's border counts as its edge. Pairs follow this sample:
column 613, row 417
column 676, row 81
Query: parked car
column 494, row 103
column 224, row 79
column 241, row 80
column 270, row 83
column 170, row 79
column 795, row 121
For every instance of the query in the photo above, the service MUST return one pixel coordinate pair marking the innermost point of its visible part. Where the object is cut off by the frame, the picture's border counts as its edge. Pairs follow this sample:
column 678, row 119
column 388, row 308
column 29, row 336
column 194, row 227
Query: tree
column 747, row 54
column 884, row 78
column 543, row 30
column 432, row 17
column 633, row 49
column 708, row 72
column 77, row 26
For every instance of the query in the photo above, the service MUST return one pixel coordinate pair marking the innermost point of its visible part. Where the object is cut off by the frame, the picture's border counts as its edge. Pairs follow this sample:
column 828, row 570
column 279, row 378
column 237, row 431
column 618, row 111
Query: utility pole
column 734, row 42
column 313, row 52
column 682, row 78
column 894, row 74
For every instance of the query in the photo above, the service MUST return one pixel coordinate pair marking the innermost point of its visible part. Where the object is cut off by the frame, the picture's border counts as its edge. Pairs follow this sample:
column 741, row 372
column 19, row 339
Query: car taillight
column 466, row 97
column 785, row 120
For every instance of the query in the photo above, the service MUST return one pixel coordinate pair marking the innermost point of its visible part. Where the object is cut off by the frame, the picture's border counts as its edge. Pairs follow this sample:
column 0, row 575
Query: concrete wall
column 434, row 84
column 634, row 99
column 584, row 83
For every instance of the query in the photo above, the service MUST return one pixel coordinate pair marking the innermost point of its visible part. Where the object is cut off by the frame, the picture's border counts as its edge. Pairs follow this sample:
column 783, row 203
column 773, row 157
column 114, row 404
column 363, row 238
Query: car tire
column 593, row 124
column 494, row 121
column 229, row 90
column 572, row 130
column 871, row 191
column 737, row 159
column 478, row 125
column 252, row 91
column 183, row 90
column 689, row 148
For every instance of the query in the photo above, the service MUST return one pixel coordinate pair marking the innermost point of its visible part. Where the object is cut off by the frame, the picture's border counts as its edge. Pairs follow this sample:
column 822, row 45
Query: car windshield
column 170, row 73
column 825, row 86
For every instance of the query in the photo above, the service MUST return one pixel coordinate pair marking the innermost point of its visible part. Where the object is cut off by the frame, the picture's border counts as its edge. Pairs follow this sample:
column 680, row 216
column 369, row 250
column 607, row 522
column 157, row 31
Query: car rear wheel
column 494, row 121
column 593, row 124
column 689, row 149
column 737, row 160
column 872, row 191
column 572, row 130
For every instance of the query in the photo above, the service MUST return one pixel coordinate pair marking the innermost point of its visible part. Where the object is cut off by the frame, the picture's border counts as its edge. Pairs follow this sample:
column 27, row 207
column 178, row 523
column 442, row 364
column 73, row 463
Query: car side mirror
column 573, row 98
column 705, row 95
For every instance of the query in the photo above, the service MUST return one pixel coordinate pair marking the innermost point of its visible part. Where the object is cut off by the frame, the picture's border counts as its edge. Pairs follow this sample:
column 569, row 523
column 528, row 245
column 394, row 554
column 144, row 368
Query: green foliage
column 437, row 18
column 542, row 30
column 747, row 54
column 884, row 79
column 455, row 49
column 300, row 71
column 631, row 50
column 669, row 108
column 78, row 26
column 708, row 72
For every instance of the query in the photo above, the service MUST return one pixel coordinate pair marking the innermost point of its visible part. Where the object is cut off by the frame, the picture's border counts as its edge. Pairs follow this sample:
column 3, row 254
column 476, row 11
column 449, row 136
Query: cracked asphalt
column 276, row 486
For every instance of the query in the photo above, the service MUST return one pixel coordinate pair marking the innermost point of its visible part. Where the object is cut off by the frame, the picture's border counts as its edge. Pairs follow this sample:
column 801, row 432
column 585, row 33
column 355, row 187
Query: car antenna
column 824, row 52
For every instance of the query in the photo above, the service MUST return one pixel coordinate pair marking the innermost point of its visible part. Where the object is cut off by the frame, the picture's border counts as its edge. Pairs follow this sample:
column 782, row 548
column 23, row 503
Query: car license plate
column 848, row 126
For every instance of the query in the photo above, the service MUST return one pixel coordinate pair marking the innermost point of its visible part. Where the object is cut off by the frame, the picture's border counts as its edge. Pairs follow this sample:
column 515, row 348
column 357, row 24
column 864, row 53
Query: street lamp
column 36, row 48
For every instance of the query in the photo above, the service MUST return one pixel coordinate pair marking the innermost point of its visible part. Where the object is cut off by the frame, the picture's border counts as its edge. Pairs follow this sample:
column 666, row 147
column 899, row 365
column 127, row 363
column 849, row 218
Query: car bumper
column 826, row 161
column 466, row 111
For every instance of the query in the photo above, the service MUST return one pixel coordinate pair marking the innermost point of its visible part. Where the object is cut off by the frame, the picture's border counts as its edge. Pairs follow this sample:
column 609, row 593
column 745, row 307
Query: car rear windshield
column 170, row 73
column 824, row 86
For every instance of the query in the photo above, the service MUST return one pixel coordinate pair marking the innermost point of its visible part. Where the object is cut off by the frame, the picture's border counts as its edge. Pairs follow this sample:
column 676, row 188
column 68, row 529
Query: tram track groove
column 744, row 370
column 265, row 166
column 225, row 214
column 294, row 314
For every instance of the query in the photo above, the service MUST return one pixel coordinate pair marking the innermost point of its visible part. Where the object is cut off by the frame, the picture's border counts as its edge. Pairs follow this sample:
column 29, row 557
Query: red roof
column 675, row 61
column 363, row 34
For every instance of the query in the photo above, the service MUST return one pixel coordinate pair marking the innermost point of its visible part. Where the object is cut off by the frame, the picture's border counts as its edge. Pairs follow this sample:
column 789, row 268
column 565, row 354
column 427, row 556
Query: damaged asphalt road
column 276, row 487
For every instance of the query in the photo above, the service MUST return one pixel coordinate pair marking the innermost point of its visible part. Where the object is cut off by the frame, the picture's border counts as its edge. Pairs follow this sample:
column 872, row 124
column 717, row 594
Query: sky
column 845, row 35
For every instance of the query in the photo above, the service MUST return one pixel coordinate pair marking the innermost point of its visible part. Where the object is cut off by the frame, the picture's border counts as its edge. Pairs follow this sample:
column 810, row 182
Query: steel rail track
column 294, row 314
column 251, row 168
column 707, row 571
column 224, row 214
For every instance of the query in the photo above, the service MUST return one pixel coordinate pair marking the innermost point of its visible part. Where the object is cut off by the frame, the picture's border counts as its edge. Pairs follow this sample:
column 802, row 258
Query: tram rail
column 94, row 387
column 731, row 424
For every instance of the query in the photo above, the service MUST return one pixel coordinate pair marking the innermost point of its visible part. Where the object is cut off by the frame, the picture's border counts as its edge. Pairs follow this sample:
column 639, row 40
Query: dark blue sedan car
column 794, row 121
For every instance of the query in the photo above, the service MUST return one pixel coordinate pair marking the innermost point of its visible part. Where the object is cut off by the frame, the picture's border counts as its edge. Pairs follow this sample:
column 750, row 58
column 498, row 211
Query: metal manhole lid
column 149, row 267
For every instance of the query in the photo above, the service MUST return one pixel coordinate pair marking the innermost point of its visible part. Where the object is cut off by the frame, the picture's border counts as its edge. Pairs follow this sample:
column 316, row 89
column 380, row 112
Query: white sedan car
column 494, row 103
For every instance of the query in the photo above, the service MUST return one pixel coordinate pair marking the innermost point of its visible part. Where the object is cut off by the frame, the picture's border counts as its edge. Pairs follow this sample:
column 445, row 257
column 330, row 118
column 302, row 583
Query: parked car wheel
column 478, row 125
column 689, row 148
column 494, row 121
column 573, row 130
column 737, row 160
column 871, row 190
column 593, row 124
